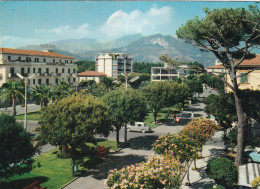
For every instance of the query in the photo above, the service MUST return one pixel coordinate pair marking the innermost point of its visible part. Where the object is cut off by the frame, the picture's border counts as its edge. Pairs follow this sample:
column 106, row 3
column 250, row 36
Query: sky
column 40, row 22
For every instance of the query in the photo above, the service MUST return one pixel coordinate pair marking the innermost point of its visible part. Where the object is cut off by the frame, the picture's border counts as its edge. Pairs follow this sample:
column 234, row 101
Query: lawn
column 53, row 172
column 30, row 116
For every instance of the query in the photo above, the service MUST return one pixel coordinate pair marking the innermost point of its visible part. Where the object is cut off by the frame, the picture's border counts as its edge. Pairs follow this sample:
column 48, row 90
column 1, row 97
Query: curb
column 69, row 183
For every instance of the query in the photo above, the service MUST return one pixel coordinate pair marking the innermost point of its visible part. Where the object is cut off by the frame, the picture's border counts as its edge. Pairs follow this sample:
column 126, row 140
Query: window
column 60, row 60
column 74, row 79
column 71, row 61
column 44, row 60
column 30, row 59
column 47, row 70
column 243, row 78
column 53, row 60
column 68, row 70
column 69, row 80
column 34, row 81
column 57, row 70
column 39, row 70
column 47, row 81
column 56, row 80
column 28, row 70
column 62, row 70
column 19, row 59
column 9, row 58
column 74, row 70
column 12, row 71
column 33, row 70
column 22, row 71
column 39, row 81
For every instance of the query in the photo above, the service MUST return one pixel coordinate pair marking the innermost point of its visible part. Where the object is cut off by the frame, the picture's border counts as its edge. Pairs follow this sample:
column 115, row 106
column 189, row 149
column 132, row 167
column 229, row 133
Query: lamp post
column 26, row 80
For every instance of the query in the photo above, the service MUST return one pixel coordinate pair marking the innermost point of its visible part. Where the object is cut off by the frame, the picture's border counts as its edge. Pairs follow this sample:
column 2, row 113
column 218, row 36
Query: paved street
column 20, row 109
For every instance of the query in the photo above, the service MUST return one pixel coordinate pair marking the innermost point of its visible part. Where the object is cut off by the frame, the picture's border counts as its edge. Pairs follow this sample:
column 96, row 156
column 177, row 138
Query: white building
column 91, row 75
column 48, row 67
column 165, row 73
column 113, row 64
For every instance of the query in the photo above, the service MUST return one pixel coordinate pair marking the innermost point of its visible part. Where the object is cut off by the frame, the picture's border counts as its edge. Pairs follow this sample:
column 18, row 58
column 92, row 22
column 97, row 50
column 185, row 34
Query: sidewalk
column 199, row 178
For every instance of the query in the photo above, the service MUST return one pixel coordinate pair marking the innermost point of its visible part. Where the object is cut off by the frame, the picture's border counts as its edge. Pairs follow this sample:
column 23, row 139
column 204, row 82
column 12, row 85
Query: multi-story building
column 245, row 81
column 49, row 67
column 113, row 64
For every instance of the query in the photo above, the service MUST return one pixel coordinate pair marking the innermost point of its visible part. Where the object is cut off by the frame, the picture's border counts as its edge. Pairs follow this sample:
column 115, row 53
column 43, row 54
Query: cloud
column 151, row 21
column 69, row 31
column 14, row 42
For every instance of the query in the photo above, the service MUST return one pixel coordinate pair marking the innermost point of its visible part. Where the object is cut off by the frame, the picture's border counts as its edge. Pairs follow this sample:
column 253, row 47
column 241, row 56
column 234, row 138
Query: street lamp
column 26, row 80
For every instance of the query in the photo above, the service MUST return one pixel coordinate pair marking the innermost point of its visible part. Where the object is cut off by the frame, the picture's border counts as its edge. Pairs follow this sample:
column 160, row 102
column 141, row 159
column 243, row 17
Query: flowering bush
column 157, row 172
column 177, row 146
column 200, row 129
column 256, row 182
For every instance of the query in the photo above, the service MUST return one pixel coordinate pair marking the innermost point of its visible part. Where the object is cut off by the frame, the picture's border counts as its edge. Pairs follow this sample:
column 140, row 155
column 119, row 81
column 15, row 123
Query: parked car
column 252, row 155
column 139, row 126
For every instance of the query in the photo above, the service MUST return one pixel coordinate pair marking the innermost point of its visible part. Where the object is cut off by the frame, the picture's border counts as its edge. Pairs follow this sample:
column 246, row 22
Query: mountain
column 143, row 49
column 150, row 48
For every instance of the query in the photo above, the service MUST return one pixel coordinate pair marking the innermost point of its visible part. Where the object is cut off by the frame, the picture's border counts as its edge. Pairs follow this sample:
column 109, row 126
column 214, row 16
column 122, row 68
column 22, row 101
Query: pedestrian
column 174, row 117
column 192, row 115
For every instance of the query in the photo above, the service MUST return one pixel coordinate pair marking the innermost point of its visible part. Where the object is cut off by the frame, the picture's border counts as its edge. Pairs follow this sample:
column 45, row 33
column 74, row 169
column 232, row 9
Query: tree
column 62, row 90
column 85, row 65
column 124, row 106
column 230, row 34
column 145, row 67
column 12, row 90
column 195, row 84
column 171, row 62
column 16, row 148
column 73, row 121
column 42, row 94
column 162, row 94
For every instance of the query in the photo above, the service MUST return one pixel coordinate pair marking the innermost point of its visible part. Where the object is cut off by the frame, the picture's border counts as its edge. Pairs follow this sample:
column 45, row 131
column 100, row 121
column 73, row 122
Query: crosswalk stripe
column 247, row 174
column 254, row 170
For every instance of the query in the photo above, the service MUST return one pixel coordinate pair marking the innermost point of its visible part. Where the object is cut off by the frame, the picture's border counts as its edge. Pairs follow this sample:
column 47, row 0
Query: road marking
column 247, row 174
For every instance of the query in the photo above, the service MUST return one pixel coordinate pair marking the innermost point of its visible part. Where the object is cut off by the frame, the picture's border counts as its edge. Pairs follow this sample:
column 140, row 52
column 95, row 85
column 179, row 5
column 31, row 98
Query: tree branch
column 228, row 84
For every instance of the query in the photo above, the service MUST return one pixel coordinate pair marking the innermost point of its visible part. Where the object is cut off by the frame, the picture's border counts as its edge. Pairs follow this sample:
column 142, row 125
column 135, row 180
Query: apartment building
column 245, row 81
column 49, row 67
column 113, row 64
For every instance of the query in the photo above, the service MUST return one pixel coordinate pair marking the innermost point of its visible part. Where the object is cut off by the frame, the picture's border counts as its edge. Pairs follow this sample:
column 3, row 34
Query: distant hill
column 143, row 49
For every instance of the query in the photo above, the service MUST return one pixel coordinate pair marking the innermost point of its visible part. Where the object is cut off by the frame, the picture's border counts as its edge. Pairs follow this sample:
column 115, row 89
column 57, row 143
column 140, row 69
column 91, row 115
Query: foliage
column 85, row 65
column 223, row 171
column 62, row 90
column 171, row 62
column 213, row 81
column 256, row 182
column 42, row 94
column 157, row 172
column 230, row 34
column 179, row 146
column 16, row 148
column 142, row 67
column 194, row 83
column 73, row 121
column 163, row 94
column 231, row 138
column 12, row 90
column 222, row 107
column 124, row 107
column 199, row 129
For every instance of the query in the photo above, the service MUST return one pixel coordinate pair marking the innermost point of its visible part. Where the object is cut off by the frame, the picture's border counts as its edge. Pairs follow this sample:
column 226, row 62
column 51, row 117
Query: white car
column 139, row 126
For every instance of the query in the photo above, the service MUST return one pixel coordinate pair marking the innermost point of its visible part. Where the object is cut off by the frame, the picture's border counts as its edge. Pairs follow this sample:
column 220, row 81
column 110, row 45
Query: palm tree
column 63, row 89
column 12, row 90
column 42, row 94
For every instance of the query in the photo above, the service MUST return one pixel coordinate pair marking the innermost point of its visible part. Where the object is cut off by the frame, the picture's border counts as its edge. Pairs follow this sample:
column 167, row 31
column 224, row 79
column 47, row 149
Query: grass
column 30, row 116
column 149, row 118
column 54, row 172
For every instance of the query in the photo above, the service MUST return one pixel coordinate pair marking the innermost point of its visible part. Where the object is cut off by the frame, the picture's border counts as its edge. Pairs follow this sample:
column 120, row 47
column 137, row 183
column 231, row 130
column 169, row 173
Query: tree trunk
column 117, row 136
column 125, row 133
column 154, row 117
column 13, row 106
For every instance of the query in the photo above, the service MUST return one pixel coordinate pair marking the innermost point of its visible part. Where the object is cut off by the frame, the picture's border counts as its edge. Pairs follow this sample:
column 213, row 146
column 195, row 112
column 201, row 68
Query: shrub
column 223, row 171
column 157, row 172
column 255, row 182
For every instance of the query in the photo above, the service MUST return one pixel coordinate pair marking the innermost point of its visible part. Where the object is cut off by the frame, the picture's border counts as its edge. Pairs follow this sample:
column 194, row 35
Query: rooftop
column 91, row 74
column 33, row 53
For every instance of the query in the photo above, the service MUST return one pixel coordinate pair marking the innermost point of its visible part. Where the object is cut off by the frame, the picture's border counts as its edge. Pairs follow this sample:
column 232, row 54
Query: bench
column 34, row 185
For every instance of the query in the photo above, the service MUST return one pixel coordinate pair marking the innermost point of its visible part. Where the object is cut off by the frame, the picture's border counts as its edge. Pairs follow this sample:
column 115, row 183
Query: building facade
column 245, row 81
column 113, row 64
column 91, row 75
column 49, row 67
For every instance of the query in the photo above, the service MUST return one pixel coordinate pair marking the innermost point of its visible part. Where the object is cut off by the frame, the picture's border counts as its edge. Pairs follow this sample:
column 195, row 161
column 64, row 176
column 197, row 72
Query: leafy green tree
column 195, row 84
column 16, row 148
column 73, row 121
column 229, row 34
column 12, row 90
column 62, row 90
column 162, row 94
column 124, row 106
column 213, row 81
column 222, row 107
column 42, row 94
column 145, row 67
column 171, row 62
column 85, row 65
